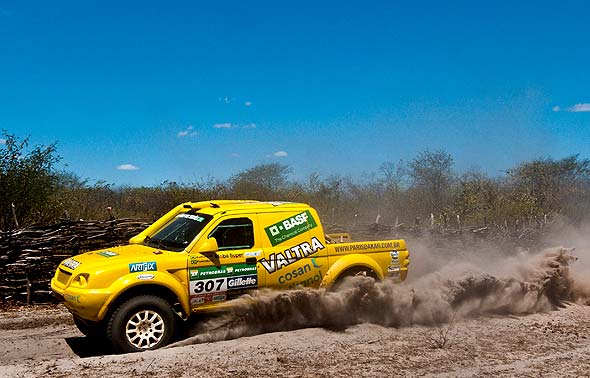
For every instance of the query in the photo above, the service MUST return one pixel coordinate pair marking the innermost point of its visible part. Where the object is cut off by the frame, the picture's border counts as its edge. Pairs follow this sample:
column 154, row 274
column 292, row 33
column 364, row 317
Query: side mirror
column 209, row 246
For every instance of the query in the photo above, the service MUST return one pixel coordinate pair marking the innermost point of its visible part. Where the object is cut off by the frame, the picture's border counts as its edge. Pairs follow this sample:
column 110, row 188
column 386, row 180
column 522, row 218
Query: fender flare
column 130, row 281
column 347, row 262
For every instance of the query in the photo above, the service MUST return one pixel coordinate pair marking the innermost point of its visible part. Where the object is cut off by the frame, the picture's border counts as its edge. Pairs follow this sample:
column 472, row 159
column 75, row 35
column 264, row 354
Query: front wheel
column 89, row 329
column 141, row 323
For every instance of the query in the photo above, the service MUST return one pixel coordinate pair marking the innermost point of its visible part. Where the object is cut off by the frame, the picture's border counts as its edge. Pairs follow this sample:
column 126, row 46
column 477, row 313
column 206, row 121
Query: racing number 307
column 209, row 285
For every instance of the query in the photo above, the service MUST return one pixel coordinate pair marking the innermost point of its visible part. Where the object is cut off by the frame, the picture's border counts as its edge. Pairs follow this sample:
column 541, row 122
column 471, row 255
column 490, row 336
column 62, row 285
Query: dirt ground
column 43, row 342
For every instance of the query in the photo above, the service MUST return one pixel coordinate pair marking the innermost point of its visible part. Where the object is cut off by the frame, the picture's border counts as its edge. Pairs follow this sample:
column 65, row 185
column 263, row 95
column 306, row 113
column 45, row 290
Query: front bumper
column 82, row 302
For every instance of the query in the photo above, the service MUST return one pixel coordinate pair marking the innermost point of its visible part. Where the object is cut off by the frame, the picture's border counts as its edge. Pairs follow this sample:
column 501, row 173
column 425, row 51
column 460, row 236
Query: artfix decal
column 290, row 227
column 107, row 253
column 143, row 267
column 289, row 256
column 213, row 284
column 71, row 263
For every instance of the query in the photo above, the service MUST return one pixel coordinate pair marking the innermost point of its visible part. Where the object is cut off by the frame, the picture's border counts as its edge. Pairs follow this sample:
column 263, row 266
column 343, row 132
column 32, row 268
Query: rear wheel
column 141, row 323
column 353, row 272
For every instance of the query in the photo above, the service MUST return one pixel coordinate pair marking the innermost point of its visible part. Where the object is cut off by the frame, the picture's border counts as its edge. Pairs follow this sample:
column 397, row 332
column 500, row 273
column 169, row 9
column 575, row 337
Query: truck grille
column 63, row 276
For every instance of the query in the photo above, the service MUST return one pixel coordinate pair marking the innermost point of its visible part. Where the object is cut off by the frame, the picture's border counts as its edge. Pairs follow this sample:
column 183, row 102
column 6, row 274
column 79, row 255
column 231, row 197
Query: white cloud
column 225, row 100
column 127, row 167
column 249, row 126
column 187, row 132
column 578, row 108
column 248, row 103
column 226, row 125
column 2, row 141
column 235, row 155
column 280, row 154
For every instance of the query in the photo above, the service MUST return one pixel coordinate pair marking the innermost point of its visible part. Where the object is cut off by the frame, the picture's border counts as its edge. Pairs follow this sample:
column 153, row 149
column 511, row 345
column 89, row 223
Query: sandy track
column 42, row 342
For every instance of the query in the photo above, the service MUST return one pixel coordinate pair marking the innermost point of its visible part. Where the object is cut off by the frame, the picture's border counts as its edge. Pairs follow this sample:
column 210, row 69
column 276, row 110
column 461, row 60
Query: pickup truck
column 201, row 255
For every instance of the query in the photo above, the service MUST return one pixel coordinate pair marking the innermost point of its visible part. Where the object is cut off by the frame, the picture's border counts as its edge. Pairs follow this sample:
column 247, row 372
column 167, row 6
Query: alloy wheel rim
column 145, row 329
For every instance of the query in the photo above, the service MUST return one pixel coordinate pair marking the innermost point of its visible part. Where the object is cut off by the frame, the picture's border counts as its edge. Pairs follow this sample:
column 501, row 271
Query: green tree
column 27, row 181
column 546, row 186
column 263, row 181
column 432, row 174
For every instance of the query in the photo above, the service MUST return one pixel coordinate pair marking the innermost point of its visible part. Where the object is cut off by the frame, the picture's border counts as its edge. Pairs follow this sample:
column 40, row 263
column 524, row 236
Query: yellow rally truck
column 199, row 256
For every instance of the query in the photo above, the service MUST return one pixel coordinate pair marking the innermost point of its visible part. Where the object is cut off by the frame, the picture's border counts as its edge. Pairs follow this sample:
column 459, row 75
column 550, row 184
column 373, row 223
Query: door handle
column 251, row 260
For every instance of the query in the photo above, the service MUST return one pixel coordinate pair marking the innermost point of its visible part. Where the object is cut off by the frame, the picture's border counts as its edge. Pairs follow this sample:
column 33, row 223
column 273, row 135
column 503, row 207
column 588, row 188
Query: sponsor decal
column 242, row 282
column 145, row 277
column 142, row 267
column 295, row 277
column 107, row 254
column 290, row 227
column 71, row 263
column 191, row 216
column 214, row 284
column 252, row 253
column 351, row 247
column 315, row 264
column 277, row 261
column 72, row 298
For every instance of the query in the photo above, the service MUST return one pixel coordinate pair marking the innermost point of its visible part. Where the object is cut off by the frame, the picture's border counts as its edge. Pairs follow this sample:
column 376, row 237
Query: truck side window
column 235, row 233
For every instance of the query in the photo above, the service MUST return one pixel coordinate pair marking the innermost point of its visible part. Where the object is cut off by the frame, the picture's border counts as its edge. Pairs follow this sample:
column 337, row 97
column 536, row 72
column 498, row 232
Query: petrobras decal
column 71, row 263
column 290, row 227
column 277, row 261
column 242, row 282
column 143, row 267
column 107, row 254
column 223, row 271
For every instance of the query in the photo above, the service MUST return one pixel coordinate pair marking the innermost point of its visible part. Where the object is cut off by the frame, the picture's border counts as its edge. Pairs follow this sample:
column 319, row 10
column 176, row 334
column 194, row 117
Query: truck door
column 232, row 271
column 293, row 254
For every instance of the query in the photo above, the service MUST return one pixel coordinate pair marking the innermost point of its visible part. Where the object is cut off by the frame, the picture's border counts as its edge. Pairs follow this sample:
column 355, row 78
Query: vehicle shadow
column 84, row 346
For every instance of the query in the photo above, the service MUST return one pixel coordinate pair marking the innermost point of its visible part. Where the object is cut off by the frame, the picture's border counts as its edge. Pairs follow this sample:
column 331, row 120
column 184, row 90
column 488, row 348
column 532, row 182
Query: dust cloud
column 458, row 285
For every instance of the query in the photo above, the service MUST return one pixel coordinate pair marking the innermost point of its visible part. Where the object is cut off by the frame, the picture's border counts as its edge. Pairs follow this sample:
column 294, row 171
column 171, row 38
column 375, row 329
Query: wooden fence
column 29, row 256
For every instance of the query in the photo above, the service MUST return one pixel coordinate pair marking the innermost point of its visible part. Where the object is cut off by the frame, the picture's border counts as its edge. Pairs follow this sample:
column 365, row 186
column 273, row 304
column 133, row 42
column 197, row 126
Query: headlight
column 81, row 280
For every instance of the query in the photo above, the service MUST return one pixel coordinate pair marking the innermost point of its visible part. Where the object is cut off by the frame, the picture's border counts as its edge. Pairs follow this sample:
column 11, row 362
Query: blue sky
column 188, row 90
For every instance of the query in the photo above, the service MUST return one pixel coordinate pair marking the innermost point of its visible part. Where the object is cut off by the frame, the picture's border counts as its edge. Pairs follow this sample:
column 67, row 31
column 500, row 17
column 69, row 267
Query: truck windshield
column 177, row 234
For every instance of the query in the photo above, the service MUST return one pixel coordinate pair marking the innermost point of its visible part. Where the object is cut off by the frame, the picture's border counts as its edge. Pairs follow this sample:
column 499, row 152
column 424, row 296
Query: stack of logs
column 29, row 256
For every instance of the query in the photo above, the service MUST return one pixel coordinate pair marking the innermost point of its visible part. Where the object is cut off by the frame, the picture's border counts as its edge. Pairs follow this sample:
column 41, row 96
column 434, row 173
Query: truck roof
column 216, row 206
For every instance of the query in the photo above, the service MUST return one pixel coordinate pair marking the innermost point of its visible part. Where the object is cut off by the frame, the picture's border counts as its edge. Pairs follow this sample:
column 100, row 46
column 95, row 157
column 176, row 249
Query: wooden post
column 28, row 290
column 14, row 214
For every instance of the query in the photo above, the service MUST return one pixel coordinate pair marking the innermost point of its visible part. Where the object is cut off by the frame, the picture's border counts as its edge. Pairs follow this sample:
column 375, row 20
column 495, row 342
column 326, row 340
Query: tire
column 89, row 329
column 145, row 322
column 352, row 272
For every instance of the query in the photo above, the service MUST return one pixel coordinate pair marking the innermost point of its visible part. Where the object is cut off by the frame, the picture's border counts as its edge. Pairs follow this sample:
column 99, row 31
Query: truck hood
column 116, row 256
